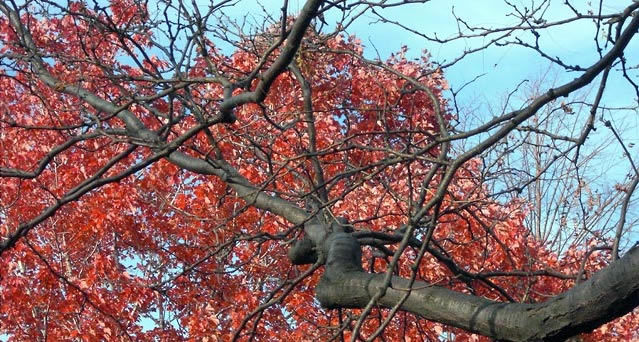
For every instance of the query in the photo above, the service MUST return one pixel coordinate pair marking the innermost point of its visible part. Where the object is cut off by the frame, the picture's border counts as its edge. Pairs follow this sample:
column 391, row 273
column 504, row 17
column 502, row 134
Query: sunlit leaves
column 167, row 254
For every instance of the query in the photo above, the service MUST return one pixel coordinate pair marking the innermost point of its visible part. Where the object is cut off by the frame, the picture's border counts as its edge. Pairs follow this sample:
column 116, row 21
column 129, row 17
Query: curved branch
column 282, row 62
column 44, row 162
column 609, row 294
column 137, row 129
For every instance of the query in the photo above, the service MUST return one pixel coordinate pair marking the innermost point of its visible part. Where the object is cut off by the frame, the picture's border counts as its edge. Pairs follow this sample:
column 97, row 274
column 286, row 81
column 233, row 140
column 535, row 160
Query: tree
column 568, row 202
column 171, row 174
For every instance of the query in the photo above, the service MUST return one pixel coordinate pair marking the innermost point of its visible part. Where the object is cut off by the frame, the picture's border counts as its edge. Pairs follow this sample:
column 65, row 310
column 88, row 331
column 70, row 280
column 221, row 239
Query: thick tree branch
column 287, row 54
column 609, row 294
column 137, row 129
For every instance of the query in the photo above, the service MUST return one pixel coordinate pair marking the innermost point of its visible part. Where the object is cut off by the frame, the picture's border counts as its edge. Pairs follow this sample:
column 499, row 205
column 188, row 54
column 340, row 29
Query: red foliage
column 166, row 254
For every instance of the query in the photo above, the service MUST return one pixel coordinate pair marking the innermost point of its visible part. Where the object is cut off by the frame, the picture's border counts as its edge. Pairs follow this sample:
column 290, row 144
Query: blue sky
column 503, row 67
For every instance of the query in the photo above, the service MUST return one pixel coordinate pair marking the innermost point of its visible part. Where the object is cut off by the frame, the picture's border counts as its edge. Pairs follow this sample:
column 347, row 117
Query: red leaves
column 166, row 254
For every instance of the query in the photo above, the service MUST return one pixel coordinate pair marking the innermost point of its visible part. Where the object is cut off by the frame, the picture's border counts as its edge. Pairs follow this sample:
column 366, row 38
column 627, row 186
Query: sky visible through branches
column 510, row 158
column 481, row 81
column 495, row 71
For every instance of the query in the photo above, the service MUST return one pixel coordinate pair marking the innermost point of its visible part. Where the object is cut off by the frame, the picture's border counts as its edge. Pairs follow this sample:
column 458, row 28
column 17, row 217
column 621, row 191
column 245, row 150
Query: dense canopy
column 169, row 172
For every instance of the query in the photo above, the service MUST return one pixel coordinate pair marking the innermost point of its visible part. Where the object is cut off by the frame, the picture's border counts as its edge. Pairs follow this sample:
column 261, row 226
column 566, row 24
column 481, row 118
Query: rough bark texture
column 611, row 293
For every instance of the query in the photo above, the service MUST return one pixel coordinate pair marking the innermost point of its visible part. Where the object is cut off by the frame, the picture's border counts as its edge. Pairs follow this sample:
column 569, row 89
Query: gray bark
column 611, row 293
